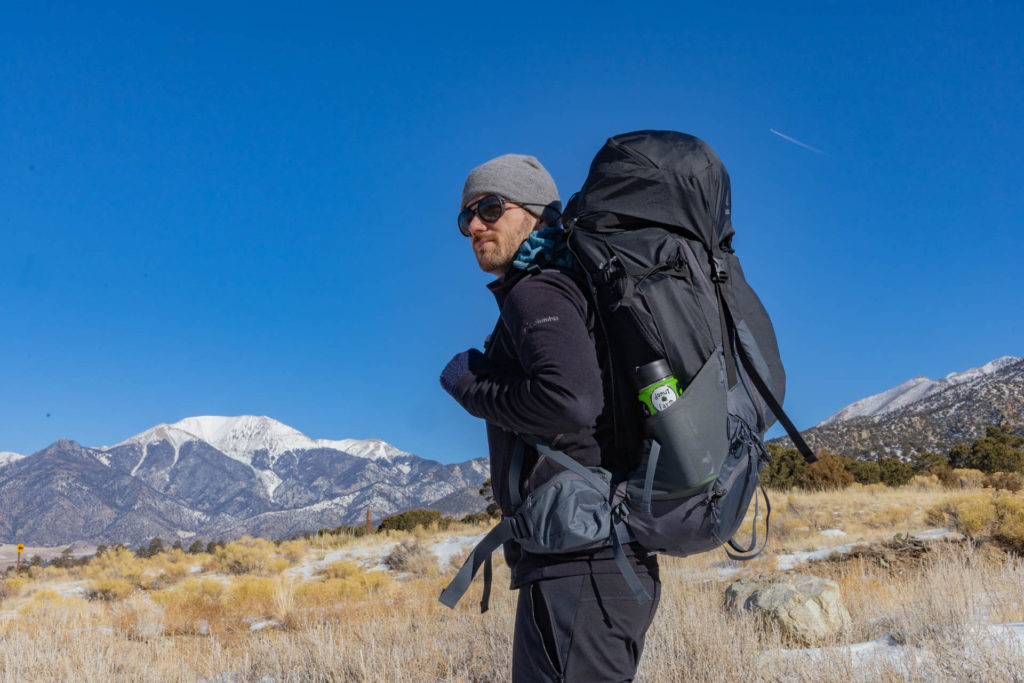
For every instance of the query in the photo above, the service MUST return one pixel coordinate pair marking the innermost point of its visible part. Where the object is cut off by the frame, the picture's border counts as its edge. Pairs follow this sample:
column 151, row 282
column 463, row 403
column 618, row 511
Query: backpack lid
column 656, row 177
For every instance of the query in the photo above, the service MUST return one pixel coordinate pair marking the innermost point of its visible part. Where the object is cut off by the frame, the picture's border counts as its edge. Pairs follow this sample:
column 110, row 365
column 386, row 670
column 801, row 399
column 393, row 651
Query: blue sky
column 250, row 208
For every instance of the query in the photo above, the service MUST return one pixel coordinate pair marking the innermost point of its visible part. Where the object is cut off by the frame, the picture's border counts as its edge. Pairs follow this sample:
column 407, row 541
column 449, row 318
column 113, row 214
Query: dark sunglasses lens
column 490, row 209
column 465, row 218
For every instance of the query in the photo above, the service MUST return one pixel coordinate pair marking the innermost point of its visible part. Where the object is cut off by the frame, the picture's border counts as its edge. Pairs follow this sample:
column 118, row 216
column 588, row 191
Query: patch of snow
column 937, row 534
column 371, row 449
column 832, row 532
column 888, row 652
column 7, row 457
column 791, row 560
column 914, row 390
column 369, row 557
column 451, row 547
column 884, row 650
column 269, row 623
column 72, row 589
column 270, row 481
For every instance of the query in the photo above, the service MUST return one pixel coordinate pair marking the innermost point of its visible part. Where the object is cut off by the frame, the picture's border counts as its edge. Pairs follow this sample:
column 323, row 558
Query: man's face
column 495, row 244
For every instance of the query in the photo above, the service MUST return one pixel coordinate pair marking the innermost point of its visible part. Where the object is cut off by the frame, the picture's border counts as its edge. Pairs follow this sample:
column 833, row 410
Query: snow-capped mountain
column 926, row 414
column 240, row 437
column 915, row 391
column 6, row 457
column 220, row 477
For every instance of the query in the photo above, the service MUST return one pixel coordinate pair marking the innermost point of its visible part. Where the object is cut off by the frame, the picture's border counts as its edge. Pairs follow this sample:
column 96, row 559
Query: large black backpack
column 652, row 230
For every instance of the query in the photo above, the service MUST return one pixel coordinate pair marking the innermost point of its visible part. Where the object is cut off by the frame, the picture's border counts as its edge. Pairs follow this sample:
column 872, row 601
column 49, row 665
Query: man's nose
column 476, row 225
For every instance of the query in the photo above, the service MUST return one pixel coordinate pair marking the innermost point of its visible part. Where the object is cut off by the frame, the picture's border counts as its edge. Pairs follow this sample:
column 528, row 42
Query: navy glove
column 471, row 361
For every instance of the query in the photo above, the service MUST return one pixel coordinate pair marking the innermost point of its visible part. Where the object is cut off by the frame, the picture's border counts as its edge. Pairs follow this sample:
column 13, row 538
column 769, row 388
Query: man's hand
column 467, row 362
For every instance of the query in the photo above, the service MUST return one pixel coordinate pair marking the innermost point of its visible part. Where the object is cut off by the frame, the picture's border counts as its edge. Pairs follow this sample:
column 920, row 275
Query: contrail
column 797, row 142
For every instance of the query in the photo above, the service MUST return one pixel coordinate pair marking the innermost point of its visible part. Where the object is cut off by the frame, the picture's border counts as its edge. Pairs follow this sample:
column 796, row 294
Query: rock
column 805, row 609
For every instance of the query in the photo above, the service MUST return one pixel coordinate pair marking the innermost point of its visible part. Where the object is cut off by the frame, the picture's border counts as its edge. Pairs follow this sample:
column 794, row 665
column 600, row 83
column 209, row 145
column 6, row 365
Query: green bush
column 827, row 474
column 928, row 462
column 895, row 472
column 864, row 471
column 410, row 519
column 785, row 466
column 477, row 518
column 1000, row 450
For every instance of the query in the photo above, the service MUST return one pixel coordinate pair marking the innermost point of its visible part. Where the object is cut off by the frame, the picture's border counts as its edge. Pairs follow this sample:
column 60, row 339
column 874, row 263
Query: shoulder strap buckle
column 719, row 273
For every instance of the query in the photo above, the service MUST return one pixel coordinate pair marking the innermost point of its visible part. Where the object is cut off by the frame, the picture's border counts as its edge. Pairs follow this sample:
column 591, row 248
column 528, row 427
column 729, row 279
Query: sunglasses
column 489, row 208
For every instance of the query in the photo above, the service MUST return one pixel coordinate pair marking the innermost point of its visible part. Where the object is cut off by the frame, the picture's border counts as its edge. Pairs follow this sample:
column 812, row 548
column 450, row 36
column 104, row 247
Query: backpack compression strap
column 753, row 533
column 495, row 538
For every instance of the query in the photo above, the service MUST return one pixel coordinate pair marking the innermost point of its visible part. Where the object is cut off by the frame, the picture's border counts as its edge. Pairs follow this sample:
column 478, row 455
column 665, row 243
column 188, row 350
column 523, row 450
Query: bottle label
column 663, row 397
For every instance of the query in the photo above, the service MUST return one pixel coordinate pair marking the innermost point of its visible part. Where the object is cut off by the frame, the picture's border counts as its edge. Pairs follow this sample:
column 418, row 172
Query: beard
column 499, row 247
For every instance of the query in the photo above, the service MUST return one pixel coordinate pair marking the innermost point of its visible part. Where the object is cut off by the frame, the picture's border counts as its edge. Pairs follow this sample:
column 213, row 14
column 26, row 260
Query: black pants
column 581, row 628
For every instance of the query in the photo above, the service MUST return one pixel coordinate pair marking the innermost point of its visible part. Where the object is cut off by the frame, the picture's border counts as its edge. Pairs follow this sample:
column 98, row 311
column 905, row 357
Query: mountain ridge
column 922, row 414
column 265, row 478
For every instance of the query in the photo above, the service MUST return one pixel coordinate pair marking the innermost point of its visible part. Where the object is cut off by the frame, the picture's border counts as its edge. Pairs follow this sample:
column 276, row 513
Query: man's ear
column 551, row 215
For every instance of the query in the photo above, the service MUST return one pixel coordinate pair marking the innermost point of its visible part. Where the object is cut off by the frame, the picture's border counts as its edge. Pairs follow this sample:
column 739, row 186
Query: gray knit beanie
column 519, row 178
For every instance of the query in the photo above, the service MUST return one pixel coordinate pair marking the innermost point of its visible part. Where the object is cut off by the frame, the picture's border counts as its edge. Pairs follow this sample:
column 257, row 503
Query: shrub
column 1009, row 531
column 998, row 515
column 247, row 555
column 293, row 551
column 190, row 603
column 827, row 474
column 410, row 519
column 1009, row 481
column 253, row 596
column 785, row 466
column 358, row 585
column 477, row 518
column 413, row 557
column 109, row 589
column 121, row 563
column 1000, row 450
column 928, row 462
column 16, row 585
column 865, row 471
column 894, row 472
column 969, row 479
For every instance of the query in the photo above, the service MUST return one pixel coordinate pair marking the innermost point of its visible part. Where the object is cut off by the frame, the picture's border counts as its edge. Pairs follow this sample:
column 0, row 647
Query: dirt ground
column 9, row 552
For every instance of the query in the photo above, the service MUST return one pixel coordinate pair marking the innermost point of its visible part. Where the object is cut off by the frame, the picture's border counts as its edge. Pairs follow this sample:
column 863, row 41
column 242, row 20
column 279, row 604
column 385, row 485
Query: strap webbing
column 773, row 405
column 730, row 358
column 753, row 533
column 570, row 464
column 628, row 573
column 652, row 464
column 480, row 555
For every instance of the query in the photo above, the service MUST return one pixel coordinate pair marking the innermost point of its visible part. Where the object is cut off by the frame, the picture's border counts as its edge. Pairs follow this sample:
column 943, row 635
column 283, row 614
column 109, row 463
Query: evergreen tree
column 1000, row 450
column 785, row 466
column 894, row 472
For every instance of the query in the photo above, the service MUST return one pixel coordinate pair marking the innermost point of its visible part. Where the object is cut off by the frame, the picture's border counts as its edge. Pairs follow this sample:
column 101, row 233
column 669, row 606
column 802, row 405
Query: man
column 576, row 618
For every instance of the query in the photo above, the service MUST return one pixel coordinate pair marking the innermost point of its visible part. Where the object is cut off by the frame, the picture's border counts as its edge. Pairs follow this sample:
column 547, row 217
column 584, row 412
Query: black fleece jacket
column 543, row 380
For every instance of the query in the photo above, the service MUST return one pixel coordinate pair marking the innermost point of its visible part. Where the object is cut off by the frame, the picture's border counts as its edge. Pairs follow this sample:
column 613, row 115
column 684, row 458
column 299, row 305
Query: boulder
column 805, row 609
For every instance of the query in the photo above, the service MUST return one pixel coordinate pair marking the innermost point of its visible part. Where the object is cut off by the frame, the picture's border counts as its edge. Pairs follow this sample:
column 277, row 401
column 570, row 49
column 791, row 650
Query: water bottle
column 658, row 387
column 686, row 463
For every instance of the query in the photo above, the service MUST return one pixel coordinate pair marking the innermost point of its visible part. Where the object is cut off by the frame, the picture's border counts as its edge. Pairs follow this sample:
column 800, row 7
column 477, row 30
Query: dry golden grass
column 339, row 621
